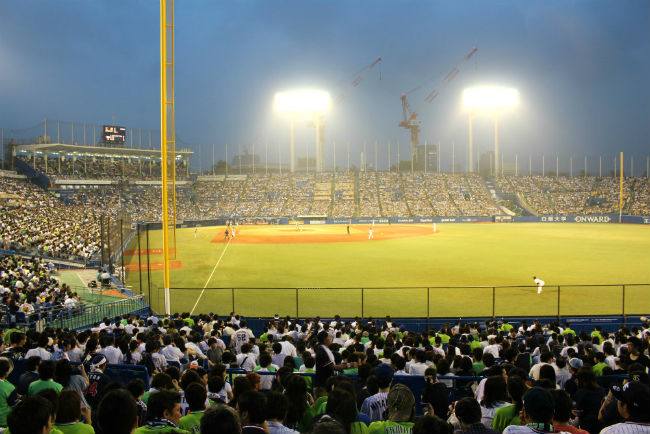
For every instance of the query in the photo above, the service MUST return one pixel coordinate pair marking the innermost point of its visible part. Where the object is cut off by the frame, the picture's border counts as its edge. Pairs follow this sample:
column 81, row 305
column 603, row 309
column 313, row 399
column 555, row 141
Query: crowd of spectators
column 490, row 377
column 564, row 195
column 98, row 167
column 27, row 286
column 34, row 220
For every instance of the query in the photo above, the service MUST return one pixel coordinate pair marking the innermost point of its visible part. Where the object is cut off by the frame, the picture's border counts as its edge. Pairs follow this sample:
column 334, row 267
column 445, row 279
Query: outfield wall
column 599, row 218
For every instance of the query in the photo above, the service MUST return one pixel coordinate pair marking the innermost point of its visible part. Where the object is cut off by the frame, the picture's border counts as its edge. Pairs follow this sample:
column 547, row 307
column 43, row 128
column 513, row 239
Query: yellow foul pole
column 620, row 194
column 164, row 136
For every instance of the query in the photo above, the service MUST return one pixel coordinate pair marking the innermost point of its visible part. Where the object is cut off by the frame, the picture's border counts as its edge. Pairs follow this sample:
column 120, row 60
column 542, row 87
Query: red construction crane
column 411, row 121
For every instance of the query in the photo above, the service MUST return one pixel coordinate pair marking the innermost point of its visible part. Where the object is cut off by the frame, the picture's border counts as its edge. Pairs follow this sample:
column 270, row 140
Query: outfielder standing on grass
column 370, row 235
column 539, row 283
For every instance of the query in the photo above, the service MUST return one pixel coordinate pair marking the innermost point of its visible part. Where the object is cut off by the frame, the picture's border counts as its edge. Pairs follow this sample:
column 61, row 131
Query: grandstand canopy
column 55, row 148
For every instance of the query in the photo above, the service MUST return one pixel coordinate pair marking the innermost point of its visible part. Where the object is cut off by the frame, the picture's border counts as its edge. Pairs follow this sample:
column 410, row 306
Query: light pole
column 303, row 102
column 492, row 100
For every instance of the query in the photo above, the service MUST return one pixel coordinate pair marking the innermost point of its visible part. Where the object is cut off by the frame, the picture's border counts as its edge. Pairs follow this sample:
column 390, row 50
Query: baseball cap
column 538, row 400
column 636, row 395
column 194, row 364
column 575, row 363
column 384, row 371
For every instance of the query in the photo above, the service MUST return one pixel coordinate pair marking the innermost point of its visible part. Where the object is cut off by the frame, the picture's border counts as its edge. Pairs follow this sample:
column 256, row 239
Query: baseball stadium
column 340, row 243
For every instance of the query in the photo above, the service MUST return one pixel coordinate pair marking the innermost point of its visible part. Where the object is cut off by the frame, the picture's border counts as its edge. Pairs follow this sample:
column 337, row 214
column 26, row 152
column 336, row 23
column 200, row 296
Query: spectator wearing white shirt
column 113, row 354
column 246, row 359
column 40, row 351
column 419, row 366
column 492, row 348
column 170, row 351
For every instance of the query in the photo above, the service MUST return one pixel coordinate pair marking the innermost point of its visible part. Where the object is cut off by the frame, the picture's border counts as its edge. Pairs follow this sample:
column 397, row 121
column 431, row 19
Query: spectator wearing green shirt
column 195, row 395
column 163, row 414
column 46, row 372
column 599, row 364
column 8, row 394
column 509, row 415
column 68, row 415
column 400, row 409
column 477, row 360
column 567, row 330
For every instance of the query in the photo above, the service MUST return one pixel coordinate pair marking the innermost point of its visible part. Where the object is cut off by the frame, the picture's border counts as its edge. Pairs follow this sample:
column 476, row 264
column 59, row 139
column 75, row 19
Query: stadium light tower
column 492, row 100
column 303, row 102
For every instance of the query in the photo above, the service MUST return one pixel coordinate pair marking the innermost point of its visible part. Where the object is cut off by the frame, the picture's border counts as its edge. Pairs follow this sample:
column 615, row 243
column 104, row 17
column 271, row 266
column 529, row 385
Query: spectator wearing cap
column 571, row 387
column 400, row 410
column 97, row 381
column 537, row 414
column 633, row 406
column 468, row 412
column 374, row 405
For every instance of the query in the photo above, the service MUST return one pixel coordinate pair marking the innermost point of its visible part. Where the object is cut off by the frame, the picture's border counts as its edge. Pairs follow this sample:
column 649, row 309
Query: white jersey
column 539, row 282
column 241, row 337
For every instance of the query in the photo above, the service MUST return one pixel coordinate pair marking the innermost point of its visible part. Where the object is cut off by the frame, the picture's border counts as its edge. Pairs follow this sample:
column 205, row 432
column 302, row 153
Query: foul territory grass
column 459, row 264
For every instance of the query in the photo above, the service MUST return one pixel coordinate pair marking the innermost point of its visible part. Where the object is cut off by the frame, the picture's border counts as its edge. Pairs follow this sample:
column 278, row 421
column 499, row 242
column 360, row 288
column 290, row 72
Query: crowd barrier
column 559, row 301
column 75, row 318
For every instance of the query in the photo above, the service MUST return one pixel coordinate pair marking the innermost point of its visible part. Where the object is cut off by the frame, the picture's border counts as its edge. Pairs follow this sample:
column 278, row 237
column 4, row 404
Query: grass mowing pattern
column 458, row 255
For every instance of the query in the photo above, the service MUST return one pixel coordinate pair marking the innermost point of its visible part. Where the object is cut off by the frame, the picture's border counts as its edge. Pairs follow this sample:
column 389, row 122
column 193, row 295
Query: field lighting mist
column 489, row 99
column 302, row 102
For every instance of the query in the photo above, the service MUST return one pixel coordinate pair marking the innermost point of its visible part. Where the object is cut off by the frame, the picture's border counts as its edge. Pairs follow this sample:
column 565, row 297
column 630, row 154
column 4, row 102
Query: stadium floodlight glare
column 301, row 101
column 492, row 99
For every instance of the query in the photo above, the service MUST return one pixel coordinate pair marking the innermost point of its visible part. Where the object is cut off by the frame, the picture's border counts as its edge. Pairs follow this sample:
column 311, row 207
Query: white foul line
column 208, row 281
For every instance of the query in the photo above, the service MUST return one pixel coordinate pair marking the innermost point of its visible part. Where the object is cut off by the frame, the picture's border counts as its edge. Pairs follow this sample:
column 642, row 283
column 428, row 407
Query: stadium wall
column 606, row 218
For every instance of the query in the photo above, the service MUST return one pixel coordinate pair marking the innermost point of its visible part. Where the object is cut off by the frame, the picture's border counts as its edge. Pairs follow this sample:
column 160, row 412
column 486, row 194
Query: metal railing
column 415, row 302
column 78, row 317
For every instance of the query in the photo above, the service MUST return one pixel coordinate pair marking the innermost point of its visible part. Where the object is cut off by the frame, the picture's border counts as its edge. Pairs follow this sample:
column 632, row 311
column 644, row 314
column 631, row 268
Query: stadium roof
column 96, row 150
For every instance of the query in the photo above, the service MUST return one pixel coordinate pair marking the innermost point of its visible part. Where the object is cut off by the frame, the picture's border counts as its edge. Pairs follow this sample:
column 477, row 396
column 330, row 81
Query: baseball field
column 461, row 270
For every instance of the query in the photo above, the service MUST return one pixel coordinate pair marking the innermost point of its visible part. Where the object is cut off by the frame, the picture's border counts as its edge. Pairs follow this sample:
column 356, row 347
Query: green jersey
column 147, row 429
column 598, row 368
column 358, row 428
column 505, row 416
column 192, row 422
column 390, row 427
column 444, row 338
column 75, row 428
column 568, row 331
column 6, row 389
column 38, row 385
column 478, row 367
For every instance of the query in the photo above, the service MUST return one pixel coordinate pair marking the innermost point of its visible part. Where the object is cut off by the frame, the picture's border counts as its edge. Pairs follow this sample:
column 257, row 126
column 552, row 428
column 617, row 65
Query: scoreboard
column 114, row 135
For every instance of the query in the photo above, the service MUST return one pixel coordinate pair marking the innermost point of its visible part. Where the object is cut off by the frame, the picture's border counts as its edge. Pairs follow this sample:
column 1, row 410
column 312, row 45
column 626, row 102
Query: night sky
column 582, row 69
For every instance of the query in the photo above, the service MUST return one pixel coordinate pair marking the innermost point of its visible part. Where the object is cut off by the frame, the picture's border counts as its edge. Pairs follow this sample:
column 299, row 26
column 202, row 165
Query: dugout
column 313, row 219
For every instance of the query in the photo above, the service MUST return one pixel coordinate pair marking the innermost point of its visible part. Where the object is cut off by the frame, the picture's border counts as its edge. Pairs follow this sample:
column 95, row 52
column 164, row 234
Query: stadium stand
column 484, row 364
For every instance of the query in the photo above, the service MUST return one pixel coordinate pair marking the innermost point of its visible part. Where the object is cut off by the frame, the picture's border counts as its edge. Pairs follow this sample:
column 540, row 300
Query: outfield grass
column 459, row 255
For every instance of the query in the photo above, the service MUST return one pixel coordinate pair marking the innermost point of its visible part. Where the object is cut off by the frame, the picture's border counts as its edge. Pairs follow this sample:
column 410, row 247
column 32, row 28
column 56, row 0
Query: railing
column 79, row 317
column 414, row 302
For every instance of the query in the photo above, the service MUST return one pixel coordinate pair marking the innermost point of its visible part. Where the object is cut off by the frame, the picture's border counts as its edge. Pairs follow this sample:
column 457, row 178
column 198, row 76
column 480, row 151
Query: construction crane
column 319, row 120
column 410, row 121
